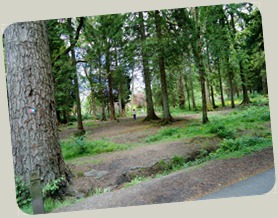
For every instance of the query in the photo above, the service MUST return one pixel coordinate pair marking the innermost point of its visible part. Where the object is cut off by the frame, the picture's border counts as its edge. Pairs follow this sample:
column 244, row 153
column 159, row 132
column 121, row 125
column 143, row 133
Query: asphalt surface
column 255, row 185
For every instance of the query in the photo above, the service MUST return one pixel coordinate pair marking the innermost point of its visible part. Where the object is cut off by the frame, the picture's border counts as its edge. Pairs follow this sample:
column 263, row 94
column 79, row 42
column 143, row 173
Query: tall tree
column 146, row 72
column 199, row 58
column 31, row 103
column 73, row 40
column 161, row 59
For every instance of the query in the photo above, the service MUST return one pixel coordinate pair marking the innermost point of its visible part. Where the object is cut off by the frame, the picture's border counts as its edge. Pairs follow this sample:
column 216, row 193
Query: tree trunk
column 30, row 85
column 146, row 74
column 110, row 88
column 246, row 99
column 212, row 97
column 100, row 92
column 187, row 92
column 221, row 87
column 208, row 99
column 94, row 103
column 192, row 91
column 231, row 89
column 201, row 69
column 166, row 109
column 180, row 87
column 76, row 83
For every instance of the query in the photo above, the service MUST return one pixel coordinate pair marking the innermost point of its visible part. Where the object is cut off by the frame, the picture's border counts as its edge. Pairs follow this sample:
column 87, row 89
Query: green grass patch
column 224, row 126
column 164, row 133
column 241, row 146
column 75, row 147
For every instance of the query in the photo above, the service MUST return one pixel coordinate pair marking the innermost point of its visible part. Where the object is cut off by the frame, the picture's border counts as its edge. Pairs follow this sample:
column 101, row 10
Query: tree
column 62, row 71
column 73, row 41
column 146, row 72
column 161, row 59
column 31, row 100
column 199, row 58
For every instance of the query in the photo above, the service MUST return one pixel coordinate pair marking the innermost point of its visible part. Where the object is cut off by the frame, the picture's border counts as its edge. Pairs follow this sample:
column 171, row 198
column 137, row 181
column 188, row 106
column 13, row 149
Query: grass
column 50, row 204
column 75, row 147
column 242, row 119
column 243, row 131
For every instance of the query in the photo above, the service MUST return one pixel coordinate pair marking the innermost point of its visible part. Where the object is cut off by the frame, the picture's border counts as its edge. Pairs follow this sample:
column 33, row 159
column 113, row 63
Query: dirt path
column 182, row 185
column 111, row 171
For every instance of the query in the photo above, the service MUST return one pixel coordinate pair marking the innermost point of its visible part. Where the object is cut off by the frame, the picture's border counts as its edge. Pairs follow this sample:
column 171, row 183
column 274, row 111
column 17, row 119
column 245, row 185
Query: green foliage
column 50, row 194
column 79, row 146
column 51, row 189
column 23, row 196
column 241, row 146
column 222, row 131
column 165, row 132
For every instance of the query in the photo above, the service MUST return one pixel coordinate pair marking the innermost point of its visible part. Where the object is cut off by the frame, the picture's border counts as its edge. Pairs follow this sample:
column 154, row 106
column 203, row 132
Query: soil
column 110, row 171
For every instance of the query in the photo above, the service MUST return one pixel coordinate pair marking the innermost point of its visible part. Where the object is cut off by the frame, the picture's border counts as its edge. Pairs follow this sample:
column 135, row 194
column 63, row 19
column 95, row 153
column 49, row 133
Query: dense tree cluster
column 191, row 58
column 205, row 54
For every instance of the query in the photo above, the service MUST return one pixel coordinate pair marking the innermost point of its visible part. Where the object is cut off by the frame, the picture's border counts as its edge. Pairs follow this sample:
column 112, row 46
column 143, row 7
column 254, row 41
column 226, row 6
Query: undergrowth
column 79, row 146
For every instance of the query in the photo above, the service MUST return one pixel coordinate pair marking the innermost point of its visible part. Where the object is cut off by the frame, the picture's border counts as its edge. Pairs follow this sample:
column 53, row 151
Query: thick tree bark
column 32, row 112
column 146, row 74
column 166, row 109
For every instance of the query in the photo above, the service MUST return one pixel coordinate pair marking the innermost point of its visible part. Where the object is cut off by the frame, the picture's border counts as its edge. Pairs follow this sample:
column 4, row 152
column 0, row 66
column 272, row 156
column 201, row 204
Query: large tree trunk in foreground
column 32, row 113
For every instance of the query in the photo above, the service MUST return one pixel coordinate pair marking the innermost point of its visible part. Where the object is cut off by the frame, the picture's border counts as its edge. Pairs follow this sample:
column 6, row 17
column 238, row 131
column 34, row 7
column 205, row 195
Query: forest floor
column 111, row 172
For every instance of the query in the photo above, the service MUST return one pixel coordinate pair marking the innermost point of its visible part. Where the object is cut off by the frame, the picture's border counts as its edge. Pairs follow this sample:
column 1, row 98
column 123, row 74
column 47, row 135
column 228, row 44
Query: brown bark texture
column 30, row 86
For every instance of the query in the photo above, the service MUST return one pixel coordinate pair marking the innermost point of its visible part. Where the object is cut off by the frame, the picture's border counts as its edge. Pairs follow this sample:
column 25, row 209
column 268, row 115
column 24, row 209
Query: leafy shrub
column 222, row 131
column 81, row 145
column 245, row 144
column 23, row 196
column 52, row 189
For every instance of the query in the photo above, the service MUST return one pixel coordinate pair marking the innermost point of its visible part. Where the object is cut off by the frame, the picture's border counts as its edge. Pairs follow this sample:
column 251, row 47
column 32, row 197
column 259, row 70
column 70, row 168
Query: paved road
column 256, row 185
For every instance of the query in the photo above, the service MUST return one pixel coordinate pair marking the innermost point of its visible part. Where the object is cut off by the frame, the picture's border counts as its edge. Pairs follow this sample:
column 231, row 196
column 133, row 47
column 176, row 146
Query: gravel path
column 184, row 185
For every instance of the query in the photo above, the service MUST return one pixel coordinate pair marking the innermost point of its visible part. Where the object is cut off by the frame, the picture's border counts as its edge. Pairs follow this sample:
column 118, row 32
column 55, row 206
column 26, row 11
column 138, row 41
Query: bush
column 53, row 189
column 222, row 131
column 23, row 196
column 245, row 144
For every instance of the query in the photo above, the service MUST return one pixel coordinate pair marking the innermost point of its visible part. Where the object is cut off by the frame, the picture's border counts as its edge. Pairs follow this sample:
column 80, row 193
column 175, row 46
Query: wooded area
column 72, row 69
column 212, row 53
